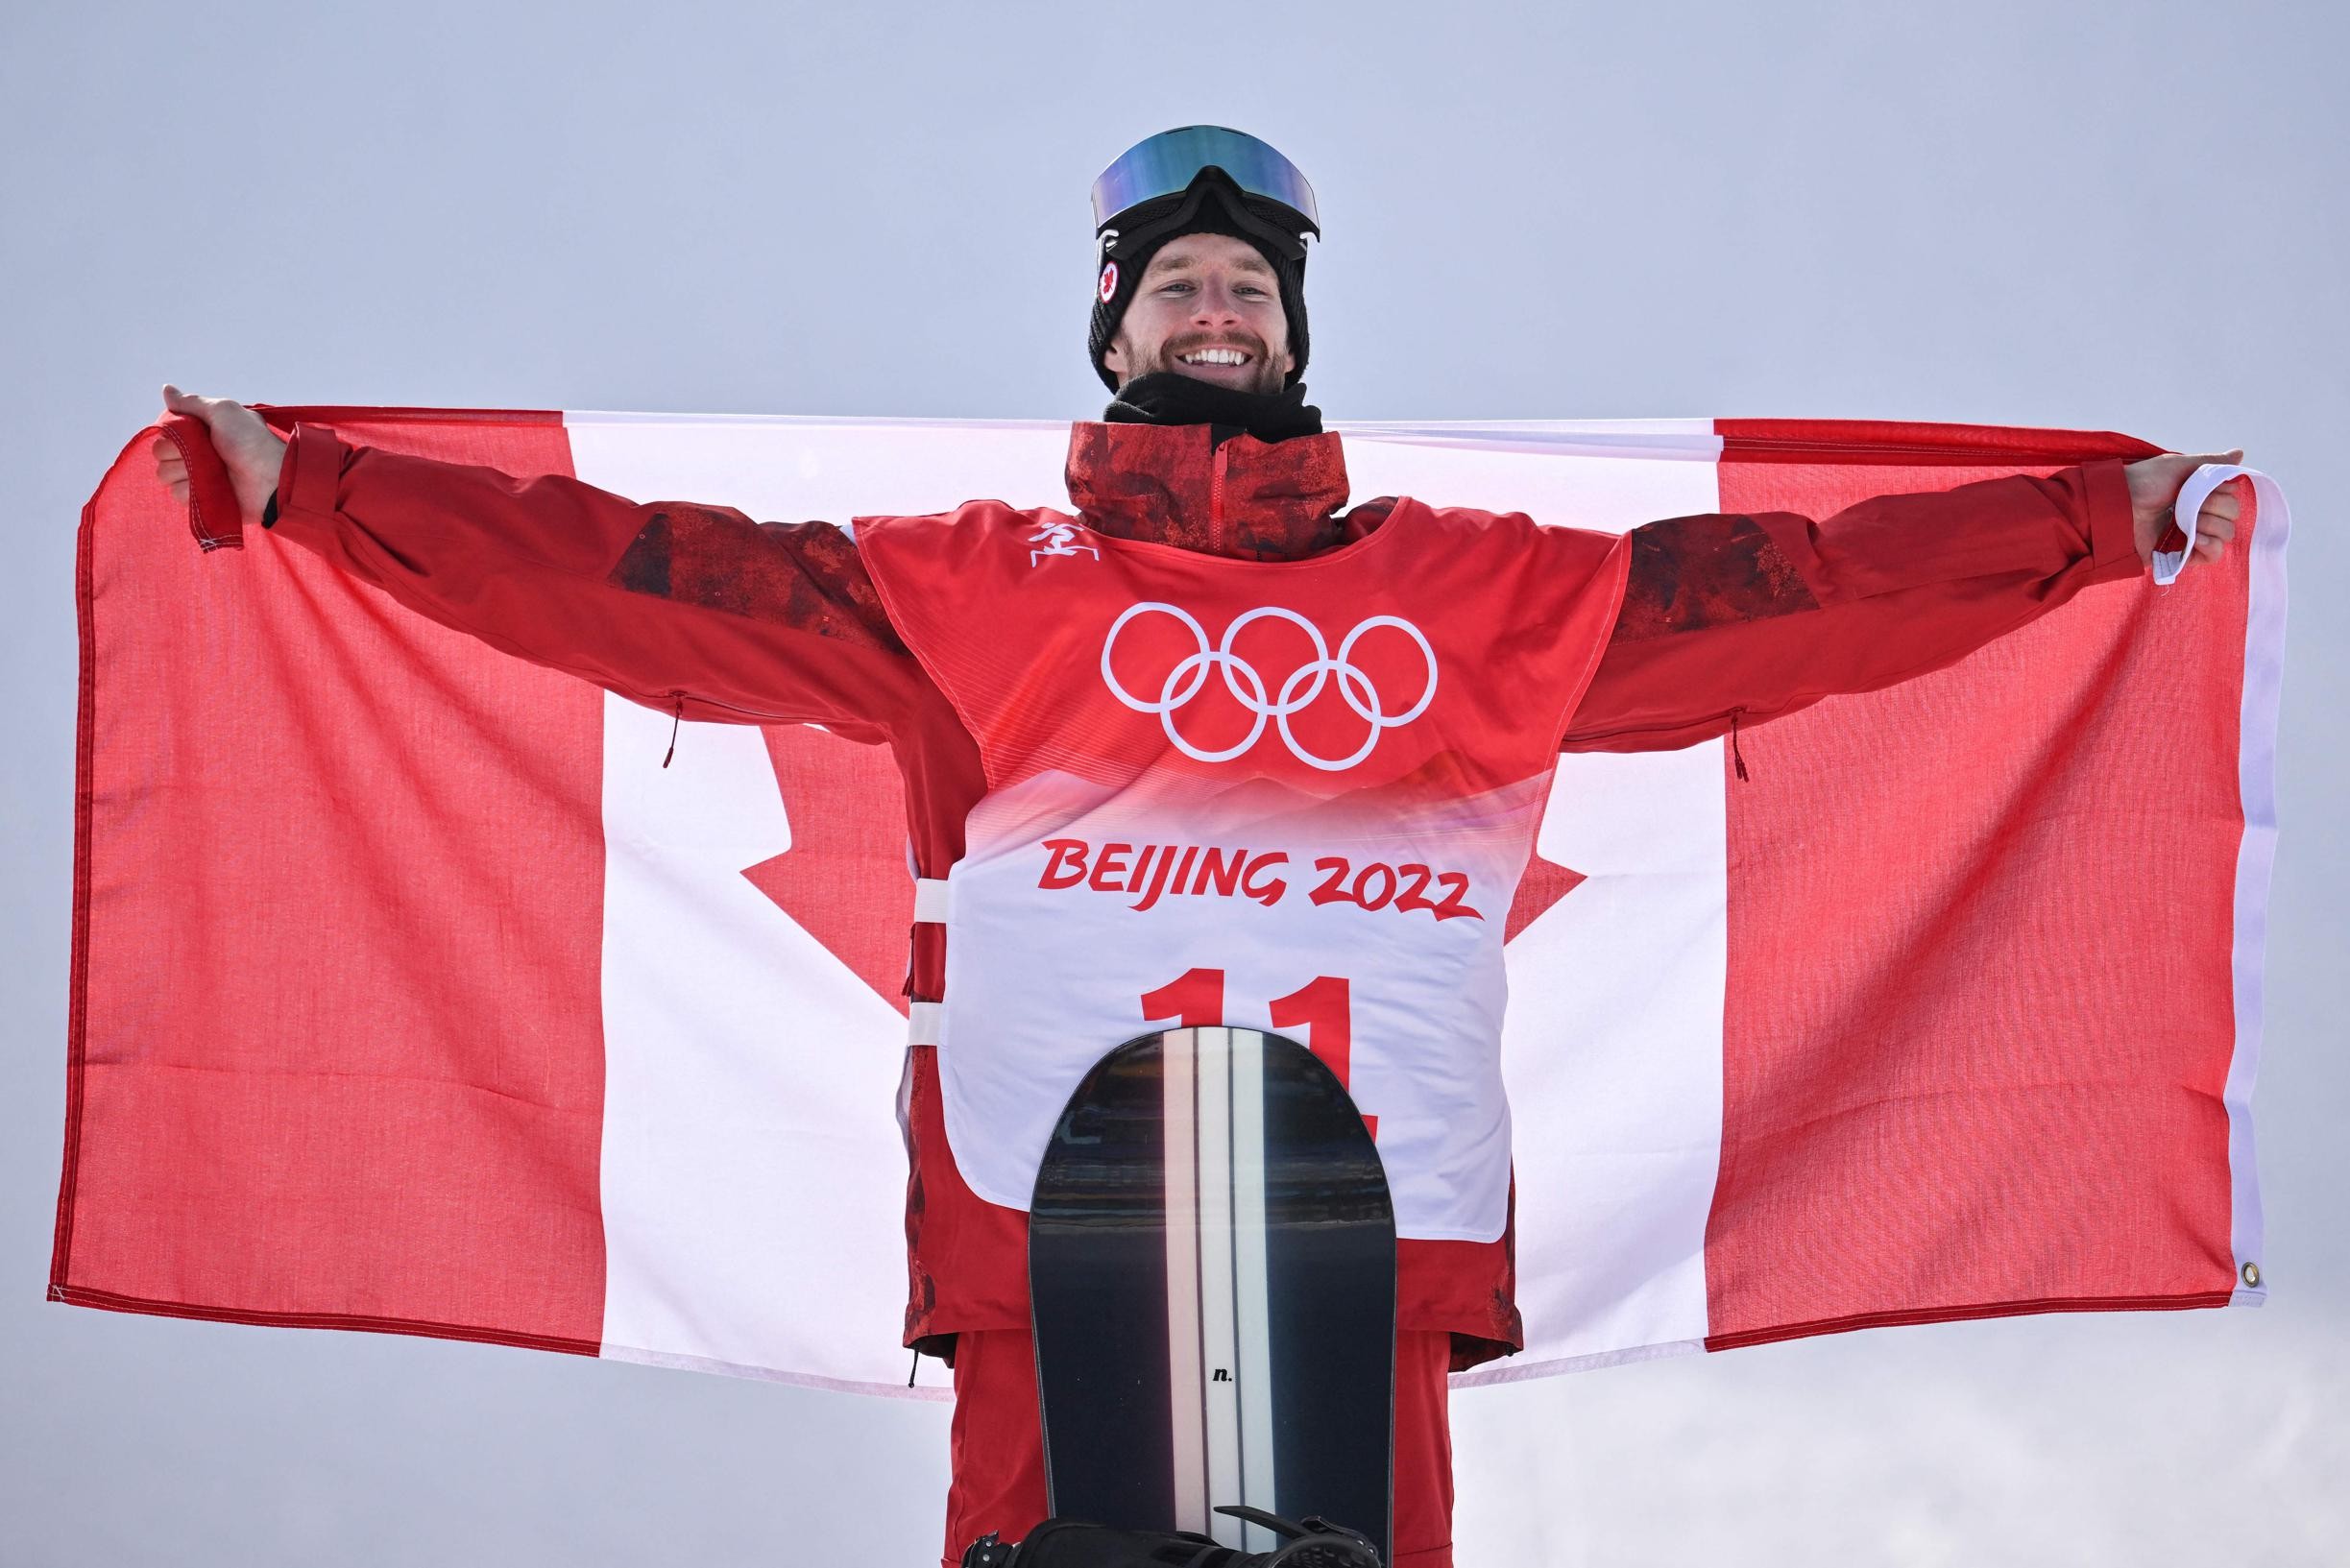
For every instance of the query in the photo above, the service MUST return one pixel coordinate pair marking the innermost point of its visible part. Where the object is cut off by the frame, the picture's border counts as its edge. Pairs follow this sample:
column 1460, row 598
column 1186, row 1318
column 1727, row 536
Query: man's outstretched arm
column 685, row 608
column 1755, row 616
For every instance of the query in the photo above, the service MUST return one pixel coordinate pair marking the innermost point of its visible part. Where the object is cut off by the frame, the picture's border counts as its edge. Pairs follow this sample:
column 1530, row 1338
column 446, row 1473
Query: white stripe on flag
column 1613, row 1047
column 742, row 1066
column 753, row 1170
column 1612, row 1043
column 1628, row 966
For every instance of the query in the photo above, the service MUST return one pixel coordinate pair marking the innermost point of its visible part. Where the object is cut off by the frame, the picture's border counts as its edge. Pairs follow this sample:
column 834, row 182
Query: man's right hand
column 251, row 449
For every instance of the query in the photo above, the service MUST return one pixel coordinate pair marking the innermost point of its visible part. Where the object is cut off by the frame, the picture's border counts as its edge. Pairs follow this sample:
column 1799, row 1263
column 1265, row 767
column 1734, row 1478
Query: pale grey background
column 2126, row 216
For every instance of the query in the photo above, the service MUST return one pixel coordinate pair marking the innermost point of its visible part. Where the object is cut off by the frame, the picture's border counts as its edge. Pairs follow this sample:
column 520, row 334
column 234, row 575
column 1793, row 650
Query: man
column 1059, row 688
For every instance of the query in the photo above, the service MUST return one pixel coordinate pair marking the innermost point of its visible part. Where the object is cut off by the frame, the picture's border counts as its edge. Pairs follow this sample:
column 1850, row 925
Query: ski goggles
column 1147, row 186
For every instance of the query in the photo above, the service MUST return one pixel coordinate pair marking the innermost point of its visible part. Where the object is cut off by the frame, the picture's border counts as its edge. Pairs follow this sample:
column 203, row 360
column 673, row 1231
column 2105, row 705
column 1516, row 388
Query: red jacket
column 1727, row 621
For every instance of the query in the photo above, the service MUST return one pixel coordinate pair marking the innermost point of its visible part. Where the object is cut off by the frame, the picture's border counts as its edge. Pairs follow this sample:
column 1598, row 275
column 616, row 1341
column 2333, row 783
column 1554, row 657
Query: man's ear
column 1114, row 358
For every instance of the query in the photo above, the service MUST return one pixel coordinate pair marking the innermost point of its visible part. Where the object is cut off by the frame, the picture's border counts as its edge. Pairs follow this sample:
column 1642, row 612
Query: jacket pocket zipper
column 676, row 703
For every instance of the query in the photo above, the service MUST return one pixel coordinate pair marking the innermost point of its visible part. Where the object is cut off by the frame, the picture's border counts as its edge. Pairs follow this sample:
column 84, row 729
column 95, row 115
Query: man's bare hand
column 2154, row 486
column 250, row 448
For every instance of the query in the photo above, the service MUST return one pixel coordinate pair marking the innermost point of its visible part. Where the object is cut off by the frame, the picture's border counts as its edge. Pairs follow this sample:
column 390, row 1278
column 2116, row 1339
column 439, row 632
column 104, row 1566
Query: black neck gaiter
column 1170, row 397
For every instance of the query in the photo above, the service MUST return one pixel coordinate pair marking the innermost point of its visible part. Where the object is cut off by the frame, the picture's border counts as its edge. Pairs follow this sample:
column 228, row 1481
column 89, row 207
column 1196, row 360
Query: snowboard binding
column 1070, row 1543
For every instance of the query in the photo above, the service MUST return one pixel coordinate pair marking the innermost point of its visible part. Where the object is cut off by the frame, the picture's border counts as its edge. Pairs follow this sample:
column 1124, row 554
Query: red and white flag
column 411, row 992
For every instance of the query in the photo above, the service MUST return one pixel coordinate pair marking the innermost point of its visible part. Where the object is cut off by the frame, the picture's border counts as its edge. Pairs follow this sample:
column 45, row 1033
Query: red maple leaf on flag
column 844, row 880
column 1545, row 883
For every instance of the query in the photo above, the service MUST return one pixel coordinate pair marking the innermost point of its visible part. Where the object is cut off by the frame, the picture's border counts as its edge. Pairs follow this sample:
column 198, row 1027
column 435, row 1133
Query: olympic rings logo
column 1240, row 679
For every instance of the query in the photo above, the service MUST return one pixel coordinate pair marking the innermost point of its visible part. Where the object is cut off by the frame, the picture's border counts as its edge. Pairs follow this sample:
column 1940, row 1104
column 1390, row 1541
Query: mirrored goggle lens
column 1166, row 165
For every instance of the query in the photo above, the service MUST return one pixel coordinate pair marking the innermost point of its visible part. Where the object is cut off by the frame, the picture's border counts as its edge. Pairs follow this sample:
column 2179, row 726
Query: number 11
column 1321, row 1007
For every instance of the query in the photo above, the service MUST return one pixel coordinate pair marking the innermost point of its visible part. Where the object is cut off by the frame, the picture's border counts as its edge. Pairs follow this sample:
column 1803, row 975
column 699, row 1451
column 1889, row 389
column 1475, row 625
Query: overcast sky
column 2126, row 216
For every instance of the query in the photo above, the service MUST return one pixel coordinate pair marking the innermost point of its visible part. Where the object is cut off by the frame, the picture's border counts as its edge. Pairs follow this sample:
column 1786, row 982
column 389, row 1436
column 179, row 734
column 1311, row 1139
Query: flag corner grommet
column 2252, row 1274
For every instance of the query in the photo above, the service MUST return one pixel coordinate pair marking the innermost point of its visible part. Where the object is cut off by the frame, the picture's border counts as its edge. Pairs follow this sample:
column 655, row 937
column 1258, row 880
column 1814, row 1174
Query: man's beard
column 1265, row 377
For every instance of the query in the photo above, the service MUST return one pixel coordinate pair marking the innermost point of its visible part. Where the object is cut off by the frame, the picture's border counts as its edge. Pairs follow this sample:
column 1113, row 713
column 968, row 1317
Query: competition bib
column 1292, row 796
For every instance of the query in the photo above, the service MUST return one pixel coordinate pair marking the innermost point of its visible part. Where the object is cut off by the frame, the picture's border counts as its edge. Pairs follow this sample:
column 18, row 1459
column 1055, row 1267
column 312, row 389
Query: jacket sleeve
column 692, row 610
column 1756, row 616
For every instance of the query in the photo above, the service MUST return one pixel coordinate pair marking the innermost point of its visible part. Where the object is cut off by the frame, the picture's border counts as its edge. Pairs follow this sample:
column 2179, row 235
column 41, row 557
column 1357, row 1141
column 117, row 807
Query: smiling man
column 940, row 637
column 1208, row 308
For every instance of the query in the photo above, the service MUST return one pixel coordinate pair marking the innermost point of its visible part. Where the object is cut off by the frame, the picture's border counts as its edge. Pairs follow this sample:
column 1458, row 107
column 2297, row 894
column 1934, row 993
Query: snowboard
column 1212, row 1273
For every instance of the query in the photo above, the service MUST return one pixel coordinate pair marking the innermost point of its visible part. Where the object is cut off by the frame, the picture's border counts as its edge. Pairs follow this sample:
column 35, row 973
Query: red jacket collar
column 1248, row 498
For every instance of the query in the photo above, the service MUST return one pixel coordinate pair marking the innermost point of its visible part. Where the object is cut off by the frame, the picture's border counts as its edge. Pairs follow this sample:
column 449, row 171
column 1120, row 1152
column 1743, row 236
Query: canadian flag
column 413, row 992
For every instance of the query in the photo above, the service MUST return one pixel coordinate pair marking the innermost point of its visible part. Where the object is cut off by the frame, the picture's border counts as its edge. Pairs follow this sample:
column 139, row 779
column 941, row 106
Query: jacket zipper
column 1215, row 502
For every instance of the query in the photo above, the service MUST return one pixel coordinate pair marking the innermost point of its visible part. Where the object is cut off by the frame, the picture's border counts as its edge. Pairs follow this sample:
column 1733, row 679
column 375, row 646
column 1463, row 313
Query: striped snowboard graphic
column 1212, row 1266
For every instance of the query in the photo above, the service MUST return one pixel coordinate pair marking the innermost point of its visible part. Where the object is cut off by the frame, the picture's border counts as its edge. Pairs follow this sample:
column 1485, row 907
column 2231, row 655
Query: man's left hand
column 2154, row 486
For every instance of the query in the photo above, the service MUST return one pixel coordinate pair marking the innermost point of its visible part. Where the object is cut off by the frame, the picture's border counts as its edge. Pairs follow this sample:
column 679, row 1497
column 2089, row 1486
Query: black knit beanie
column 1121, row 275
